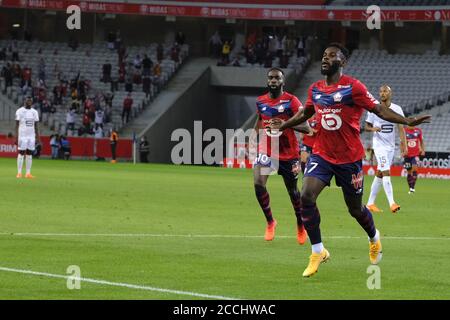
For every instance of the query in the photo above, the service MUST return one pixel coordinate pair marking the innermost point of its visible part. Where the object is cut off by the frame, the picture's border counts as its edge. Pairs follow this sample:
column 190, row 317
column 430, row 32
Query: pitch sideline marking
column 195, row 236
column 117, row 284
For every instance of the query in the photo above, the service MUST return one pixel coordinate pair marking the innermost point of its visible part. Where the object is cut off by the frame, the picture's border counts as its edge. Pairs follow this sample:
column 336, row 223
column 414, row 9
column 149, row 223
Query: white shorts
column 27, row 143
column 384, row 159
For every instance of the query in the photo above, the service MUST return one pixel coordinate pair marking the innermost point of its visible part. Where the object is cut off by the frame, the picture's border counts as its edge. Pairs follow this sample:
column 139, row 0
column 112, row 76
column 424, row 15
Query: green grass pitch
column 200, row 230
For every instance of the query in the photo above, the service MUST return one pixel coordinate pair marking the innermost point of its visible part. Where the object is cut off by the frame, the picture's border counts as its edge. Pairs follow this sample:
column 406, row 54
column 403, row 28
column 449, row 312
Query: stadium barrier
column 396, row 171
column 81, row 148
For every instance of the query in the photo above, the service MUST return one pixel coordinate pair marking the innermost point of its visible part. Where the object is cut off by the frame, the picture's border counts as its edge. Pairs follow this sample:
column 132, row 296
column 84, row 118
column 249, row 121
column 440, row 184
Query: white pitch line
column 117, row 284
column 162, row 235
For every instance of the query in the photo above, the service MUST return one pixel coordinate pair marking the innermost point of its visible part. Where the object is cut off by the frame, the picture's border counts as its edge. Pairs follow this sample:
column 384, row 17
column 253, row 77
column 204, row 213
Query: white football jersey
column 27, row 118
column 386, row 137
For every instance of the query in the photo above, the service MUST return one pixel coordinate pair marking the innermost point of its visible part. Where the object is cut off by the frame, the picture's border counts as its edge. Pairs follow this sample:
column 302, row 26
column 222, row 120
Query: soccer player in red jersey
column 416, row 148
column 339, row 102
column 308, row 142
column 277, row 151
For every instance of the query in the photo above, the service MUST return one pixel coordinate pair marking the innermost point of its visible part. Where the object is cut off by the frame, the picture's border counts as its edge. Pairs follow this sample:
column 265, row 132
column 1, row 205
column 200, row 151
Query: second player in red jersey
column 277, row 151
column 415, row 148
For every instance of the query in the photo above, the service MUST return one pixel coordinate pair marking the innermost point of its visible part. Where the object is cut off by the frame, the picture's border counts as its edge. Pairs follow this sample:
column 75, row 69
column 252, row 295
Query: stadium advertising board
column 243, row 11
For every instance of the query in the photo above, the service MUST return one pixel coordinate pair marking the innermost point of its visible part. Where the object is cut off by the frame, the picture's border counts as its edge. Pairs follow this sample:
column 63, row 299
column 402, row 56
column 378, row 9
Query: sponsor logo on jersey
column 280, row 109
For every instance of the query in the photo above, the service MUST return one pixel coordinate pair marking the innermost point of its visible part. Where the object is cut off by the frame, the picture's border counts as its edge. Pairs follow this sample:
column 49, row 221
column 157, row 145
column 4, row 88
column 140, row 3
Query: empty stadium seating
column 418, row 81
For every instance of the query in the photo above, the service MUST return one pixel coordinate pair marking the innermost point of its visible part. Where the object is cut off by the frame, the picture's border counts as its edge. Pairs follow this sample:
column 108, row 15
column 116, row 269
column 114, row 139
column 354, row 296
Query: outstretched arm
column 301, row 116
column 401, row 133
column 370, row 128
column 389, row 115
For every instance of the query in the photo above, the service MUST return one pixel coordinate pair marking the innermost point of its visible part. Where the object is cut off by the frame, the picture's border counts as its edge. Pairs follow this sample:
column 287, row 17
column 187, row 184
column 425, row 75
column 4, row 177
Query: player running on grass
column 384, row 148
column 27, row 135
column 416, row 148
column 273, row 149
column 339, row 101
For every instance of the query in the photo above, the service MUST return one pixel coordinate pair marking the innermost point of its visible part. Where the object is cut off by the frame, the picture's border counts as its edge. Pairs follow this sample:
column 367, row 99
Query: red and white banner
column 80, row 148
column 399, row 171
column 396, row 171
column 229, row 9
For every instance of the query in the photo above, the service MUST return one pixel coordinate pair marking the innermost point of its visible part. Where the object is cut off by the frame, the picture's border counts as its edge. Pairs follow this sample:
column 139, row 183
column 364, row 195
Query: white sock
column 376, row 237
column 376, row 184
column 19, row 163
column 317, row 248
column 28, row 162
column 387, row 185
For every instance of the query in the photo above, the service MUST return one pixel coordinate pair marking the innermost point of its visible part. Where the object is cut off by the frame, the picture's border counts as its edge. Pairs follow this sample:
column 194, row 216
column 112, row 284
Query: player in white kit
column 384, row 148
column 27, row 134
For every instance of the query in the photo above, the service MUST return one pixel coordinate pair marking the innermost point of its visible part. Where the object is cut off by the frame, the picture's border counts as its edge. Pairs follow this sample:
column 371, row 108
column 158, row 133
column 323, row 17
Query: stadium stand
column 419, row 81
column 86, row 63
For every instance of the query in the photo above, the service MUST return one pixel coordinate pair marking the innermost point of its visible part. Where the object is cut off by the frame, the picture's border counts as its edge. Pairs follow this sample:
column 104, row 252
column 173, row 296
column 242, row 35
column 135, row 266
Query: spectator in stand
column 3, row 54
column 147, row 65
column 111, row 39
column 159, row 52
column 226, row 49
column 106, row 72
column 108, row 99
column 41, row 70
column 260, row 52
column 15, row 51
column 250, row 55
column 180, row 38
column 54, row 144
column 215, row 44
column 26, row 76
column 7, row 74
column 129, row 83
column 127, row 105
column 99, row 118
column 175, row 53
column 146, row 85
column 70, row 121
column 300, row 46
column 87, row 121
column 157, row 75
column 45, row 110
column 122, row 53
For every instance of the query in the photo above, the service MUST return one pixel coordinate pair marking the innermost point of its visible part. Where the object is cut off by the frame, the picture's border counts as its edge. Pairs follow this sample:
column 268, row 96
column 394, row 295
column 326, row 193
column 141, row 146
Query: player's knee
column 386, row 173
column 308, row 197
column 259, row 188
column 29, row 152
column 355, row 211
column 22, row 152
column 379, row 174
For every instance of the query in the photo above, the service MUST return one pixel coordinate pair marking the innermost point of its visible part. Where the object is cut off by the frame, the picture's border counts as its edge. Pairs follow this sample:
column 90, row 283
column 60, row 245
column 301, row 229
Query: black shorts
column 410, row 162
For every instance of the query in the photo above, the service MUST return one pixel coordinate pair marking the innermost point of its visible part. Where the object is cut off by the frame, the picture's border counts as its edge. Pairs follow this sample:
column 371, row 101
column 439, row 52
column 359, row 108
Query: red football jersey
column 339, row 108
column 413, row 141
column 283, row 107
column 309, row 140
